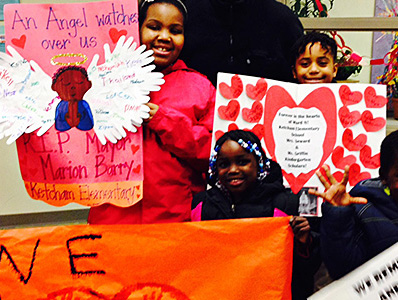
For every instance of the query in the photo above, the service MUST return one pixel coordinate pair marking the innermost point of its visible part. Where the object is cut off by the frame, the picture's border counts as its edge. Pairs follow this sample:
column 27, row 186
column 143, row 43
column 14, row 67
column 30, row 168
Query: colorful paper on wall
column 212, row 260
column 305, row 126
column 90, row 155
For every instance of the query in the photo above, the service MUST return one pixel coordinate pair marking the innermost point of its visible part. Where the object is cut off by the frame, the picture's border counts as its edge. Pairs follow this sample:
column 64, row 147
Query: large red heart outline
column 322, row 99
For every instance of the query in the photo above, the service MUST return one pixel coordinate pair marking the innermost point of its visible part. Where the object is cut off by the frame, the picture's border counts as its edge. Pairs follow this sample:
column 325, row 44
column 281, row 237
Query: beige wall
column 360, row 42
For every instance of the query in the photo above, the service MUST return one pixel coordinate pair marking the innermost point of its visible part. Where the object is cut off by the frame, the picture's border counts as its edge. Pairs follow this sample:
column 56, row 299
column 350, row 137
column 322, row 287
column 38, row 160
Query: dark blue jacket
column 351, row 235
column 261, row 202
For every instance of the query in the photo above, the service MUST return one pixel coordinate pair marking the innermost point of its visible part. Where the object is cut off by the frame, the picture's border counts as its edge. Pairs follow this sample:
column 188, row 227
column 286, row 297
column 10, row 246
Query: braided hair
column 248, row 141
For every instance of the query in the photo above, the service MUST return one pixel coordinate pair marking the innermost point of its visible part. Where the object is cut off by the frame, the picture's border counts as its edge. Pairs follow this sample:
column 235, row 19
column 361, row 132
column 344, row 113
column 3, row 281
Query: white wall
column 13, row 197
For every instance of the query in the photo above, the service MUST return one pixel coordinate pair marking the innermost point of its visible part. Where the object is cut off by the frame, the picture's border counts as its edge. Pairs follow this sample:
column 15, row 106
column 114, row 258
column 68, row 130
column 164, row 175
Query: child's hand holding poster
column 76, row 78
column 305, row 126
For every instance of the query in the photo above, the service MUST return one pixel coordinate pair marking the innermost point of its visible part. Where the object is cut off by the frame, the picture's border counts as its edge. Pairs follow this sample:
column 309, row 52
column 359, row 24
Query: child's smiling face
column 237, row 168
column 315, row 65
column 163, row 32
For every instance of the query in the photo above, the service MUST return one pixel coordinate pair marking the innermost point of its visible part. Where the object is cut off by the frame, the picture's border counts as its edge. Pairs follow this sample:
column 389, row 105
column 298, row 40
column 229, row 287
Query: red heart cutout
column 19, row 42
column 258, row 91
column 137, row 169
column 229, row 112
column 258, row 130
column 219, row 133
column 134, row 148
column 233, row 91
column 372, row 100
column 356, row 176
column 116, row 34
column 372, row 124
column 254, row 114
column 323, row 99
column 339, row 160
column 338, row 176
column 366, row 158
column 348, row 118
column 352, row 144
column 348, row 97
column 232, row 126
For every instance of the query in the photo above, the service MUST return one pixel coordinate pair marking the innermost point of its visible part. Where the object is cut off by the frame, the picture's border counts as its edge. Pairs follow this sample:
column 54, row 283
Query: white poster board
column 303, row 126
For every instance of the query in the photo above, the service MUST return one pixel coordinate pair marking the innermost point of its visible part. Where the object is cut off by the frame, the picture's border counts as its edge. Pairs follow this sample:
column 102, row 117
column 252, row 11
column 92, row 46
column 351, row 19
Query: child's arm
column 343, row 247
column 187, row 138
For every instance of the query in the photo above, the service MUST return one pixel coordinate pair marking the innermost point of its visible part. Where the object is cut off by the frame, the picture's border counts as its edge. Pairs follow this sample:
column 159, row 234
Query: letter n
column 22, row 277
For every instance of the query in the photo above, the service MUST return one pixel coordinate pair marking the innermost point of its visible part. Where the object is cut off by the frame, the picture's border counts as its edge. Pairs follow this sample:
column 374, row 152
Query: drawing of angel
column 114, row 93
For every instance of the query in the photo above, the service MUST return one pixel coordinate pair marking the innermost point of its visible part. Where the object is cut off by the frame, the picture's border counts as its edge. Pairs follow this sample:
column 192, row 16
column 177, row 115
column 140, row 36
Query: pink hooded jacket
column 176, row 151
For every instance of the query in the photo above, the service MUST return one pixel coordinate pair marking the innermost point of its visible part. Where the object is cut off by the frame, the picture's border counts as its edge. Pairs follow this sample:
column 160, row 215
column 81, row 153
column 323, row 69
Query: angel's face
column 71, row 85
column 163, row 32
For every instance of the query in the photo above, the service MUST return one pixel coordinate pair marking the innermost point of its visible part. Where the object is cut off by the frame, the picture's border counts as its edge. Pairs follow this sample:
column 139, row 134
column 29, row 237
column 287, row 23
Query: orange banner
column 231, row 259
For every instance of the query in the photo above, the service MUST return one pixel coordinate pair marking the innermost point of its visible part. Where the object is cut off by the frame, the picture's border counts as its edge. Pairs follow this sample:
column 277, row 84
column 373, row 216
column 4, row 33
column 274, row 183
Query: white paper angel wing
column 120, row 88
column 26, row 99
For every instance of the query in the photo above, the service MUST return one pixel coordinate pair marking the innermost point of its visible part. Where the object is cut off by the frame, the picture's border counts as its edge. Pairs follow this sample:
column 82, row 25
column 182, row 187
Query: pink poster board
column 60, row 167
column 305, row 126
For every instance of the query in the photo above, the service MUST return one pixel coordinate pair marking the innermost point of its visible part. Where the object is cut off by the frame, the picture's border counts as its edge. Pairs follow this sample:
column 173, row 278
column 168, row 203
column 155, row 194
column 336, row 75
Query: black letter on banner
column 72, row 257
column 14, row 266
